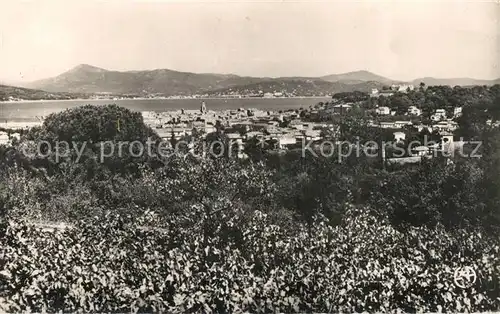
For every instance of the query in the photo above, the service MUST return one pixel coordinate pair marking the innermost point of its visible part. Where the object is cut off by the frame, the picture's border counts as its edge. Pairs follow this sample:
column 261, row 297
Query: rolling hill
column 464, row 81
column 89, row 79
column 8, row 92
column 357, row 77
column 86, row 78
column 297, row 87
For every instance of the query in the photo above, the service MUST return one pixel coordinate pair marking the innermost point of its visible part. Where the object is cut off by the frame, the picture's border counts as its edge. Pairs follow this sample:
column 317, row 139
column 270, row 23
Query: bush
column 231, row 236
column 113, row 264
column 435, row 192
column 89, row 130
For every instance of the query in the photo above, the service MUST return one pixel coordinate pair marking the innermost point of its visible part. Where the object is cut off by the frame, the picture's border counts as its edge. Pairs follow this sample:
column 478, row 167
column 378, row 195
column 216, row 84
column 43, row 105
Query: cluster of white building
column 6, row 138
column 385, row 111
column 445, row 125
column 439, row 119
column 438, row 115
column 395, row 88
column 239, row 125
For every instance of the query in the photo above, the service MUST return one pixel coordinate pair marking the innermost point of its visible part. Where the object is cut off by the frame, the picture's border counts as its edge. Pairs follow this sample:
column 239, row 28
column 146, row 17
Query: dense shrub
column 95, row 124
column 230, row 235
column 71, row 142
column 433, row 192
column 111, row 264
column 214, row 184
column 40, row 198
column 457, row 196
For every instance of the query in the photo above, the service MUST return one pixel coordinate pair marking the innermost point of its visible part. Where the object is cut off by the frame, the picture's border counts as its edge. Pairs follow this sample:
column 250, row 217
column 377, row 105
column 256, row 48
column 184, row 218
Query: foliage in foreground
column 464, row 194
column 234, row 236
column 110, row 264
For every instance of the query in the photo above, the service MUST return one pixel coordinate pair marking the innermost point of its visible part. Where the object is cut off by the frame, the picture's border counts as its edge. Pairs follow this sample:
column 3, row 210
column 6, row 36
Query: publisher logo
column 464, row 277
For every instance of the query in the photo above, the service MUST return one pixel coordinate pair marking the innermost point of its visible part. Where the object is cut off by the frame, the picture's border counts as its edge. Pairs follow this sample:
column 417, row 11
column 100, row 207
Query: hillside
column 464, row 81
column 297, row 87
column 89, row 79
column 357, row 77
column 19, row 93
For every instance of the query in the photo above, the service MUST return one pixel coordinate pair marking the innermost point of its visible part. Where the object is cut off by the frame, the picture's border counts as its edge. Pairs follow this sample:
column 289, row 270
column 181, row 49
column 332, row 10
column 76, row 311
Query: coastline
column 26, row 111
column 158, row 98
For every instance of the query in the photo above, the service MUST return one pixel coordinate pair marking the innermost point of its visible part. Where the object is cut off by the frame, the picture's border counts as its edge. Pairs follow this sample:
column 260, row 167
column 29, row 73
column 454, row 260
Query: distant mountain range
column 85, row 78
column 463, row 81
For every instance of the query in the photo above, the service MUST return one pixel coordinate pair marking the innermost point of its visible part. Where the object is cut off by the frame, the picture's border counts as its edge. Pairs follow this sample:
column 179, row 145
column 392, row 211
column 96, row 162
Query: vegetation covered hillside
column 274, row 233
column 298, row 87
column 90, row 79
column 18, row 93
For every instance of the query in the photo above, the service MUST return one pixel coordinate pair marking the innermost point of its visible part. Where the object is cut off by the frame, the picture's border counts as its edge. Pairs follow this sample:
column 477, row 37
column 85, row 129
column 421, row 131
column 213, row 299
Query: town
column 290, row 128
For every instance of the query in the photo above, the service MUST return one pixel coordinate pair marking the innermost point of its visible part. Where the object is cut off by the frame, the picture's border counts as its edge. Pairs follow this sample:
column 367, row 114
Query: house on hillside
column 420, row 151
column 209, row 128
column 312, row 135
column 254, row 134
column 447, row 143
column 383, row 111
column 386, row 93
column 403, row 88
column 164, row 133
column 439, row 114
column 273, row 132
column 421, row 127
column 446, row 125
column 296, row 124
column 341, row 108
column 401, row 124
column 491, row 123
column 399, row 136
column 414, row 111
column 235, row 137
column 404, row 160
column 4, row 138
column 177, row 132
column 457, row 112
column 286, row 141
column 387, row 125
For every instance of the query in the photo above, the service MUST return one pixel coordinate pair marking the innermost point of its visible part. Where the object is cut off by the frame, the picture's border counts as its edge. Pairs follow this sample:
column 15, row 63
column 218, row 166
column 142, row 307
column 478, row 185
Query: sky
column 401, row 40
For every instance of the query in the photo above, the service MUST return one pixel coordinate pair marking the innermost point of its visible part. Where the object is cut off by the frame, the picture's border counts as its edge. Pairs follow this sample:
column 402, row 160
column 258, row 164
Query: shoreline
column 146, row 98
column 28, row 111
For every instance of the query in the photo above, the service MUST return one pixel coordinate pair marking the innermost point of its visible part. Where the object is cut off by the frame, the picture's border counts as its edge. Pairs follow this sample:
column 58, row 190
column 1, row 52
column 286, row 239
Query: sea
column 32, row 111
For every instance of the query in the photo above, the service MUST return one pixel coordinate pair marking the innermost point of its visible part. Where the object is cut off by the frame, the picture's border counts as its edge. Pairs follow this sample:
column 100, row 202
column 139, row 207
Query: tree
column 422, row 86
column 257, row 149
column 472, row 122
column 355, row 96
column 433, row 193
column 400, row 103
column 92, row 140
column 213, row 189
column 490, row 163
column 173, row 140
